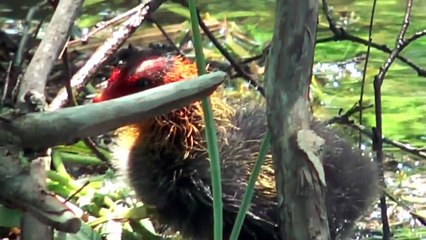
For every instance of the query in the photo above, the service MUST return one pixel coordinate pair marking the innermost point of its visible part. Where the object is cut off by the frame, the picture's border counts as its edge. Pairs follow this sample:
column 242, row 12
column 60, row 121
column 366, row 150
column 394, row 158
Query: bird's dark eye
column 143, row 83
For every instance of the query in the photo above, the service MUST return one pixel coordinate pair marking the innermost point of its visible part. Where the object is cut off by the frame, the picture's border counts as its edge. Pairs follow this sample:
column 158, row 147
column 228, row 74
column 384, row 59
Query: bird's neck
column 179, row 132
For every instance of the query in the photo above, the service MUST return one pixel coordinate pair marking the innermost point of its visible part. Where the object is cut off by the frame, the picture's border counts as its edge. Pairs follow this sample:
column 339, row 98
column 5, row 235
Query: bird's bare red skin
column 156, row 71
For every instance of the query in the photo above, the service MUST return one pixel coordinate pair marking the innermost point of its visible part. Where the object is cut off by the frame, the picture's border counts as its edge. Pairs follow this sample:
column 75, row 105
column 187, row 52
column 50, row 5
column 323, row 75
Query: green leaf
column 9, row 217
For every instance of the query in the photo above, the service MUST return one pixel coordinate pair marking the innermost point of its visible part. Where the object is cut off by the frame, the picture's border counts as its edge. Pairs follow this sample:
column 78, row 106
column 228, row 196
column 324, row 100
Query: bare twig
column 361, row 94
column 415, row 36
column 169, row 40
column 340, row 34
column 406, row 207
column 263, row 55
column 80, row 79
column 404, row 147
column 102, row 25
column 7, row 81
column 77, row 191
column 92, row 146
column 67, row 74
column 228, row 57
column 377, row 139
column 400, row 44
column 38, row 70
column 24, row 39
column 345, row 120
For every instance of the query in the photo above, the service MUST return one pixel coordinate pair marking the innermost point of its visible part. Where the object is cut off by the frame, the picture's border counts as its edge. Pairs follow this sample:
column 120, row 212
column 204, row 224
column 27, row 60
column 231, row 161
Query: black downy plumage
column 167, row 162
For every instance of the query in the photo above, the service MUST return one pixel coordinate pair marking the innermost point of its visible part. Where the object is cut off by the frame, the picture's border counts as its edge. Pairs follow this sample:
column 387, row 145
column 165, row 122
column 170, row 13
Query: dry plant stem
column 106, row 50
column 361, row 94
column 38, row 70
column 71, row 99
column 67, row 125
column 21, row 52
column 26, row 34
column 67, row 74
column 406, row 207
column 7, row 81
column 228, row 57
column 404, row 147
column 169, row 40
column 287, row 80
column 378, row 81
column 339, row 34
column 95, row 150
column 344, row 119
column 102, row 25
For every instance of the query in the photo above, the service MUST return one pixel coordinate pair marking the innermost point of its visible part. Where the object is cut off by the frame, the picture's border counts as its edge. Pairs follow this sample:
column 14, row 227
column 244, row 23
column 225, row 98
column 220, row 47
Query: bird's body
column 167, row 162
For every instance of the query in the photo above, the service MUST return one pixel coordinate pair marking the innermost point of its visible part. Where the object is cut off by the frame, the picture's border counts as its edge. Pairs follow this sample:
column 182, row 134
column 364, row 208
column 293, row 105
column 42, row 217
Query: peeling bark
column 300, row 189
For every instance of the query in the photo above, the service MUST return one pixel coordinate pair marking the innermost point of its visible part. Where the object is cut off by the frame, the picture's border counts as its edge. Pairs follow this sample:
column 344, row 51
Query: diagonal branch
column 35, row 77
column 340, row 34
column 80, row 79
column 67, row 125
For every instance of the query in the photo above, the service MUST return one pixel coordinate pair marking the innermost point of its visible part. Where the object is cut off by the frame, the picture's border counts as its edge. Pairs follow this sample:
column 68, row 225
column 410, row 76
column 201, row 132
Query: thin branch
column 169, row 40
column 35, row 77
column 400, row 44
column 106, row 50
column 331, row 23
column 415, row 36
column 404, row 147
column 92, row 119
column 377, row 139
column 25, row 36
column 102, row 25
column 345, row 120
column 340, row 34
column 361, row 94
column 7, row 81
column 67, row 77
column 95, row 150
column 406, row 207
column 263, row 55
column 71, row 99
column 228, row 57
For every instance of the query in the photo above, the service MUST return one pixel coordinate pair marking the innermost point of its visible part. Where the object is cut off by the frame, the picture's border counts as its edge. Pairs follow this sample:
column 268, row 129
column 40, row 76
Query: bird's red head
column 144, row 73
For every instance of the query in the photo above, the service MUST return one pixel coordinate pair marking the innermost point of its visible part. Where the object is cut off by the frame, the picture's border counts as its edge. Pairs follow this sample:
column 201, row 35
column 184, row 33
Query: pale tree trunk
column 299, row 174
